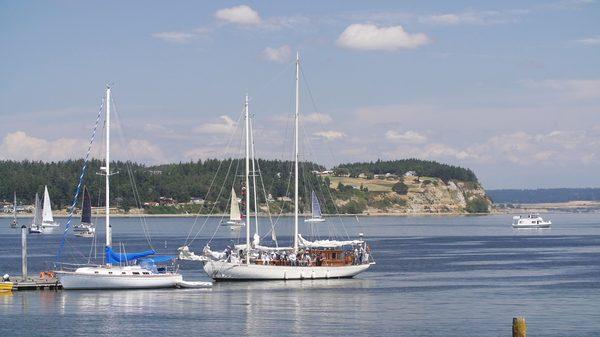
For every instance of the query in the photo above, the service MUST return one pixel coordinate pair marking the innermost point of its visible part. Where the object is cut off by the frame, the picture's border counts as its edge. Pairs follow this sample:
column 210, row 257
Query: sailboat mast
column 254, row 179
column 15, row 206
column 296, row 153
column 247, row 180
column 107, row 171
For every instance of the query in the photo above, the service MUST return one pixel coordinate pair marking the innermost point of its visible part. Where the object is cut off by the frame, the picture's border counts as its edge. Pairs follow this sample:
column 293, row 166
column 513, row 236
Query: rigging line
column 134, row 189
column 304, row 78
column 214, row 205
column 211, row 186
column 83, row 171
column 238, row 161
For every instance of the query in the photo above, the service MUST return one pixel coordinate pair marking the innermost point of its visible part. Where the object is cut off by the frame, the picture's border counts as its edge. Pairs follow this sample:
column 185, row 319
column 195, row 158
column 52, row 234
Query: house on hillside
column 167, row 201
column 196, row 201
column 410, row 174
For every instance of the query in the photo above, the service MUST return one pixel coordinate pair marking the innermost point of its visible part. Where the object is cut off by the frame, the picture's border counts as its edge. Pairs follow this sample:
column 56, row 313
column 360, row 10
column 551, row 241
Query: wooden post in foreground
column 519, row 327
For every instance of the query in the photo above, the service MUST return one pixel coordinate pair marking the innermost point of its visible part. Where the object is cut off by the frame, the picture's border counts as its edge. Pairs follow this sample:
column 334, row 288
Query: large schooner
column 319, row 259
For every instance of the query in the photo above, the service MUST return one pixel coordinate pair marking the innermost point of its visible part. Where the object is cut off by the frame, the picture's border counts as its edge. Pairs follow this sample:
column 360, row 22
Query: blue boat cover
column 112, row 257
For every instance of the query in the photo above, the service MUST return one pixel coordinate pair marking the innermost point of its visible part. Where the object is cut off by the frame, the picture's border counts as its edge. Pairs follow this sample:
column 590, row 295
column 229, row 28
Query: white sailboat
column 235, row 216
column 14, row 222
column 48, row 223
column 305, row 260
column 315, row 209
column 36, row 225
column 86, row 228
column 117, row 272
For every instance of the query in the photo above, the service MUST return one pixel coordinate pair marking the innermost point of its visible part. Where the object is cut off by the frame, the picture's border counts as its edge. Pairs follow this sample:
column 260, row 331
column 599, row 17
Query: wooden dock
column 36, row 284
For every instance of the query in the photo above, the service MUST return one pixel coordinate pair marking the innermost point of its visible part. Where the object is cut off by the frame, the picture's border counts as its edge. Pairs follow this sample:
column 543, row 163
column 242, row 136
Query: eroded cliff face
column 430, row 195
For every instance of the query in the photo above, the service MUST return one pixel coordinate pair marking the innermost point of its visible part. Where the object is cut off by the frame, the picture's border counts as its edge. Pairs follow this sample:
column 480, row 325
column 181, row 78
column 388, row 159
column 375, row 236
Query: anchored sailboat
column 86, row 228
column 36, row 225
column 14, row 222
column 305, row 260
column 48, row 223
column 315, row 208
column 235, row 216
column 118, row 272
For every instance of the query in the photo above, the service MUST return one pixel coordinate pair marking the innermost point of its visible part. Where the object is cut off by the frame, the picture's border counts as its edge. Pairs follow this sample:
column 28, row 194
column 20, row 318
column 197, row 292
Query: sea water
column 435, row 276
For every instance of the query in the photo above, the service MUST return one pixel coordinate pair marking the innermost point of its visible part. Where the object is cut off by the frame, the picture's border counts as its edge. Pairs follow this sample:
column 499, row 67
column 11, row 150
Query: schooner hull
column 227, row 271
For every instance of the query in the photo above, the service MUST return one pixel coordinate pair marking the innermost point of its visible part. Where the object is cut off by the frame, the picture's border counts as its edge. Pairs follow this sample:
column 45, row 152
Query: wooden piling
column 519, row 327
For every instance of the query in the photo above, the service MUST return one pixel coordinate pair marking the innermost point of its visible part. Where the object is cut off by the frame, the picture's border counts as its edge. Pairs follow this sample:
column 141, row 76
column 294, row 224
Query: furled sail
column 112, row 257
column 86, row 208
column 47, row 212
column 316, row 207
column 326, row 243
column 234, row 212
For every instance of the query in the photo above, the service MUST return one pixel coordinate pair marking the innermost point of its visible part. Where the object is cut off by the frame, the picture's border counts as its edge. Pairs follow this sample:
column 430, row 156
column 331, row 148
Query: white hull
column 542, row 225
column 84, row 280
column 223, row 271
column 315, row 220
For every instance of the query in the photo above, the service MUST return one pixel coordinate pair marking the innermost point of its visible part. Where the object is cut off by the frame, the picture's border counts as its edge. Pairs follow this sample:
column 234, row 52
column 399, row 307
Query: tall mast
column 296, row 153
column 256, row 235
column 107, row 170
column 247, row 180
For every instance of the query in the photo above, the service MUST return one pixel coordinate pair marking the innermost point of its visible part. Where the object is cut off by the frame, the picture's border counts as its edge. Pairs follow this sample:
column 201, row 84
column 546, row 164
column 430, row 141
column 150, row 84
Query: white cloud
column 174, row 37
column 226, row 126
column 18, row 145
column 590, row 41
column 330, row 134
column 316, row 118
column 406, row 137
column 570, row 88
column 371, row 37
column 281, row 54
column 241, row 15
column 141, row 150
column 453, row 19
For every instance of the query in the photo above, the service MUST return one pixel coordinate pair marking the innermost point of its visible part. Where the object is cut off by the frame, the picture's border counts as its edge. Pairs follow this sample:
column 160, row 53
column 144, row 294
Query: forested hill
column 544, row 195
column 180, row 181
column 399, row 167
column 184, row 181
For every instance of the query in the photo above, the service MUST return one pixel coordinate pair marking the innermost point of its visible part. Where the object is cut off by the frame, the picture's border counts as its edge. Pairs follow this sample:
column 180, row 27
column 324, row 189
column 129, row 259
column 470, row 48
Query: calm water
column 435, row 276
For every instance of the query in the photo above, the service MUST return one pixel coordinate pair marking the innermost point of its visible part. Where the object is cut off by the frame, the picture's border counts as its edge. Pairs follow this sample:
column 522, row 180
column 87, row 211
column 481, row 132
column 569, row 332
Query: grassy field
column 374, row 185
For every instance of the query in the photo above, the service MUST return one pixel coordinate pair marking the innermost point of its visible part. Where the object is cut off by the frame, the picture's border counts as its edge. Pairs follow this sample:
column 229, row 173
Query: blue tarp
column 112, row 257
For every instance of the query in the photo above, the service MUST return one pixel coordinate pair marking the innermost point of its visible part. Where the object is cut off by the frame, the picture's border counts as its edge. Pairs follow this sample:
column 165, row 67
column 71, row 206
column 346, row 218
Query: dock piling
column 24, row 252
column 519, row 327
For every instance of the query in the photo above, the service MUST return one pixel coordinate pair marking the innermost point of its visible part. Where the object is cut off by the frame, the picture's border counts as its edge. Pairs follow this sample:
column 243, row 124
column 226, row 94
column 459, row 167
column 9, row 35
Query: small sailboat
column 120, row 270
column 316, row 209
column 14, row 222
column 36, row 225
column 48, row 223
column 86, row 228
column 235, row 216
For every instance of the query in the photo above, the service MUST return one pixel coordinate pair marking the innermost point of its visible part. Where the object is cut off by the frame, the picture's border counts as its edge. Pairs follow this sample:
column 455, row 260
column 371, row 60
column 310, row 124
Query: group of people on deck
column 305, row 257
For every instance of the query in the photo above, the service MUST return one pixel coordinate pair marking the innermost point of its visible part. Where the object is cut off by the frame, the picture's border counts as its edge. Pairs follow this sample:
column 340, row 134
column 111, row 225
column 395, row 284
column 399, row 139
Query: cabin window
column 96, row 272
column 146, row 273
column 110, row 272
column 333, row 256
column 123, row 272
column 136, row 273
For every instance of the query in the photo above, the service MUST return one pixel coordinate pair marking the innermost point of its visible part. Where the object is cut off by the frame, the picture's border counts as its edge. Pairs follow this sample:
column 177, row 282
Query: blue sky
column 510, row 89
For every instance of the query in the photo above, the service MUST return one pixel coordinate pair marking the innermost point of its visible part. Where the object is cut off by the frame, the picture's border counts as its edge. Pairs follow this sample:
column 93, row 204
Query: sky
column 510, row 89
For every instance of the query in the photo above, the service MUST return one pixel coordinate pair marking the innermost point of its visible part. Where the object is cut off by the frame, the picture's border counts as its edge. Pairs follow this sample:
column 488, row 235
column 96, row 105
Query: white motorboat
column 530, row 221
column 305, row 260
column 118, row 271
